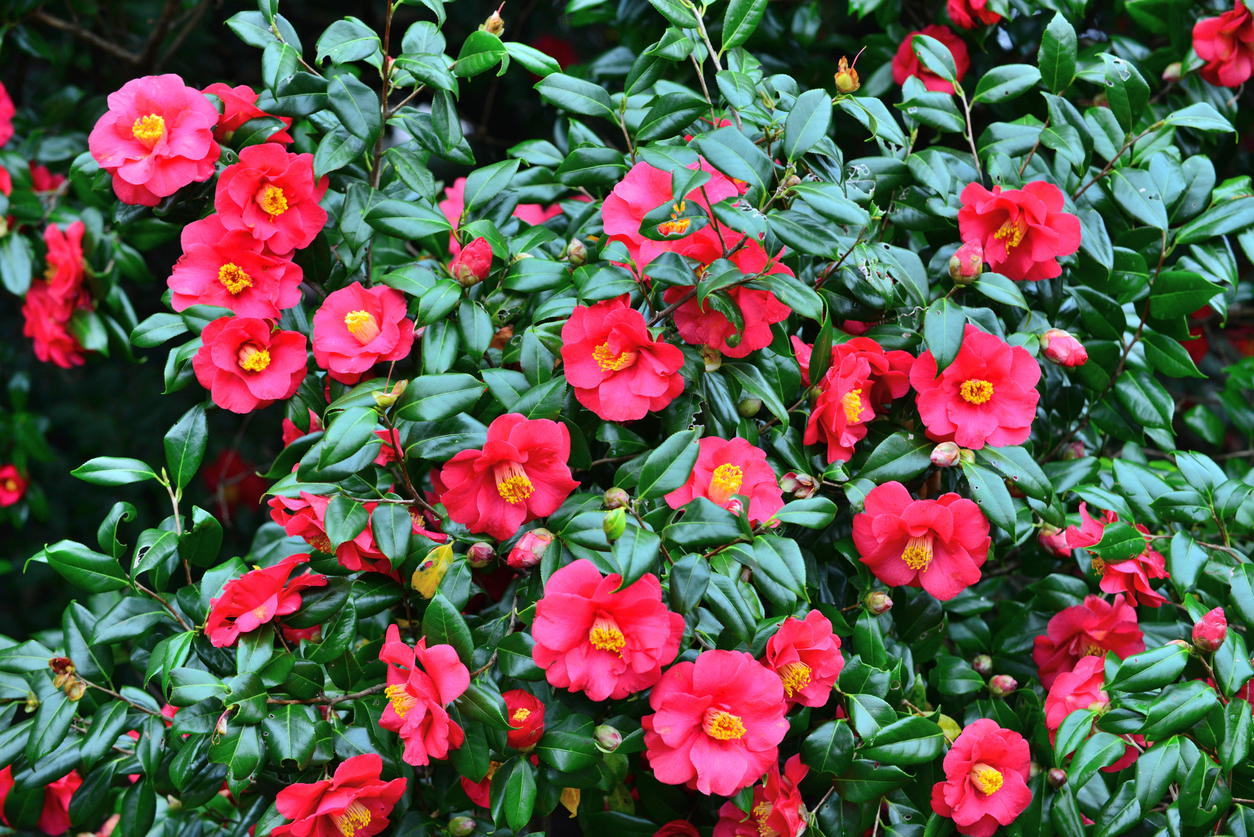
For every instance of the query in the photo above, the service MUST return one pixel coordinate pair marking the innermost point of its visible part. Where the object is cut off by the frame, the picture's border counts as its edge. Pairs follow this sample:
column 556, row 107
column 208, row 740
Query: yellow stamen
column 233, row 277
column 677, row 226
column 796, row 677
column 354, row 818
column 606, row 635
column 253, row 358
column 1098, row 566
column 722, row 725
column 362, row 325
column 976, row 391
column 148, row 129
column 986, row 778
column 852, row 402
column 608, row 361
column 520, row 715
column 402, row 701
column 1013, row 230
column 272, row 201
column 762, row 813
column 260, row 612
column 321, row 543
column 724, row 482
column 512, row 482
column 10, row 485
column 918, row 552
column 1092, row 649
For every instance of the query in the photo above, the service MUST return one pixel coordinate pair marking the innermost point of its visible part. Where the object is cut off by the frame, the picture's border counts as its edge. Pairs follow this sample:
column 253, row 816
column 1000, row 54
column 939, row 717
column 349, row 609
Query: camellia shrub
column 790, row 439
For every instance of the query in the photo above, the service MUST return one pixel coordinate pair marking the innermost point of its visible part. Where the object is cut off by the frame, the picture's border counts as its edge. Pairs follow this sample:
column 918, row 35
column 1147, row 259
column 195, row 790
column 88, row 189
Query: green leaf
column 576, row 96
column 911, row 740
column 514, row 657
column 935, row 56
column 513, row 793
column 943, row 327
column 1119, row 542
column 812, row 513
column 669, row 114
column 689, row 578
column 1127, row 94
column 1156, row 770
column 1101, row 750
column 336, row 150
column 357, row 106
column 1199, row 116
column 337, row 633
column 829, row 748
column 239, row 749
column 740, row 21
column 1224, row 217
column 735, row 155
column 990, row 494
column 185, row 446
column 779, row 559
column 130, row 618
column 634, row 554
column 481, row 51
column 1018, row 466
column 436, row 397
column 901, row 457
column 810, row 118
column 484, row 184
column 675, row 12
column 113, row 470
column 1006, row 82
column 351, row 431
column 669, row 466
column 533, row 59
column 92, row 571
column 1057, row 56
column 407, row 220
column 1178, row 293
column 866, row 781
column 290, row 734
column 345, row 41
column 1177, row 708
column 392, row 527
column 52, row 722
column 443, row 625
column 1121, row 812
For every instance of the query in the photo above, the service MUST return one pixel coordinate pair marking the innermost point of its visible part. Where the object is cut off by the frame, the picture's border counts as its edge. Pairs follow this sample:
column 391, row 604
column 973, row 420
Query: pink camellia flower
column 592, row 637
column 840, row 415
column 946, row 455
column 273, row 195
column 525, row 712
column 938, row 545
column 258, row 597
column 1063, row 349
column 717, row 723
column 1226, row 44
column 643, row 190
column 1023, row 231
column 473, row 263
column 986, row 779
column 291, row 432
column 46, row 315
column 614, row 365
column 1211, row 630
column 357, row 327
column 968, row 14
column 7, row 112
column 890, row 371
column 64, row 273
column 1086, row 630
column 987, row 396
column 454, row 204
column 42, row 180
column 725, row 469
column 391, row 450
column 6, row 186
column 806, row 656
column 1054, row 541
column 156, row 138
column 233, row 270
column 906, row 63
column 355, row 802
column 702, row 325
column 12, row 486
column 239, row 104
column 54, row 818
column 1130, row 577
column 422, row 681
column 520, row 474
column 305, row 517
column 1084, row 688
column 246, row 365
column 530, row 549
column 776, row 810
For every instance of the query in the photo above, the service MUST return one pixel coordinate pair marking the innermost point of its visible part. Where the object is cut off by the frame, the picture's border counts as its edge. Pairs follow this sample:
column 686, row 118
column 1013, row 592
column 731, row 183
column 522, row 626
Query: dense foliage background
column 1099, row 502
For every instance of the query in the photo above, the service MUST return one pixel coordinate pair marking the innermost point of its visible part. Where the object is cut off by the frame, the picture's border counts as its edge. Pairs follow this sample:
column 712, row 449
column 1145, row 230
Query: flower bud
column 1063, row 349
column 735, row 507
column 614, row 524
column 983, row 665
column 387, row 398
column 846, row 77
column 1002, row 685
column 791, row 181
column 1054, row 541
column 713, row 358
column 473, row 263
column 495, row 24
column 221, row 726
column 617, row 498
column 530, row 549
column 32, row 702
column 461, row 826
column 966, row 265
column 1034, row 769
column 576, row 253
column 946, row 455
column 1173, row 72
column 607, row 738
column 480, row 555
column 1072, row 451
column 749, row 407
column 799, row 485
column 878, row 602
column 966, row 456
column 1211, row 630
column 426, row 579
column 75, row 689
column 1057, row 778
column 1180, row 643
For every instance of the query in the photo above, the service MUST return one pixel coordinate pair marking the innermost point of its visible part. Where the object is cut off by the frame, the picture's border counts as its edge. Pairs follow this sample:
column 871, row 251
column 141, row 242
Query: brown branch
column 331, row 701
column 40, row 16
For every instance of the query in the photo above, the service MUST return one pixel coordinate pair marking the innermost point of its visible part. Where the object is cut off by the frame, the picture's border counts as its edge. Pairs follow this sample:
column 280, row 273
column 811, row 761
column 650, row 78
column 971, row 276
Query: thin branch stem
column 331, row 701
column 1111, row 165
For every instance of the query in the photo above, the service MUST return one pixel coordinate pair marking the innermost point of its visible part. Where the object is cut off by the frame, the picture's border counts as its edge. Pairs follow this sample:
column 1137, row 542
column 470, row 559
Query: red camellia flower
column 473, row 263
column 1211, row 630
column 64, row 273
column 422, row 681
column 678, row 828
column 986, row 396
column 520, row 474
column 806, row 656
column 616, row 368
column 291, row 432
column 1081, row 688
column 156, row 138
column 46, row 315
column 258, row 597
column 272, row 194
column 12, row 486
column 239, row 104
column 1023, row 231
column 355, row 802
column 725, row 469
column 906, row 63
column 1130, row 577
column 968, row 14
column 42, row 180
column 702, row 325
column 246, row 365
column 592, row 637
column 304, row 517
column 233, row 270
column 717, row 723
column 526, row 718
column 1084, row 630
column 890, row 371
column 986, row 779
column 1226, row 44
column 358, row 327
column 776, row 810
column 840, row 414
column 54, row 818
column 7, row 112
column 1062, row 349
column 938, row 545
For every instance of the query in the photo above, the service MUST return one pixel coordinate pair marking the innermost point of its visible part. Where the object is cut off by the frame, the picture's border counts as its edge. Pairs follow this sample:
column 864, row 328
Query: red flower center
column 148, row 129
column 918, row 552
column 253, row 358
column 976, row 391
column 272, row 201
column 260, row 613
column 986, row 778
column 402, row 701
column 354, row 818
column 233, row 277
column 725, row 481
column 852, row 402
column 1013, row 230
column 723, row 725
column 362, row 325
column 605, row 634
column 796, row 677
column 321, row 543
column 1092, row 649
column 512, row 482
column 608, row 361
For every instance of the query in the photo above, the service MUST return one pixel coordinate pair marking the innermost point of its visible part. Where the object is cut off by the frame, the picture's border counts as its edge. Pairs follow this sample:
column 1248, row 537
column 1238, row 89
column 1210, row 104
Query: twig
column 966, row 109
column 1110, row 165
column 705, row 90
column 120, row 697
column 153, row 594
column 331, row 701
column 1032, row 153
column 40, row 16
column 672, row 308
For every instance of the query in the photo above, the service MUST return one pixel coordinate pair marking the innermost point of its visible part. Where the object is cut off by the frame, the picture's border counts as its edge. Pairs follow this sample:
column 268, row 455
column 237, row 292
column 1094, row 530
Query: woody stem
column 332, row 701
column 975, row 155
